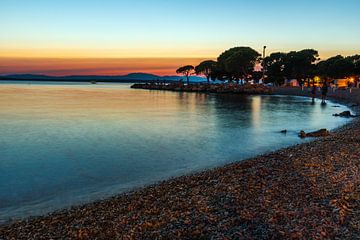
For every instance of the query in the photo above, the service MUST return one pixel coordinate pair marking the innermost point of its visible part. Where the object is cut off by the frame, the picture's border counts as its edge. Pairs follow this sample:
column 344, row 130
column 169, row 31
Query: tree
column 186, row 71
column 219, row 73
column 274, row 66
column 356, row 64
column 237, row 63
column 257, row 76
column 301, row 65
column 336, row 67
column 206, row 68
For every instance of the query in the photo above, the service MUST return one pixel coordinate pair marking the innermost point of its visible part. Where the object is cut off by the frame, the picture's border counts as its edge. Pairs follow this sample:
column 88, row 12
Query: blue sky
column 329, row 25
column 159, row 28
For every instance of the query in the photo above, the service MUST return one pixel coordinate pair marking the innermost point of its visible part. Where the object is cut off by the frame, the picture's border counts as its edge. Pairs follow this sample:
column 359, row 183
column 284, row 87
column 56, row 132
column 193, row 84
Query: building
column 344, row 82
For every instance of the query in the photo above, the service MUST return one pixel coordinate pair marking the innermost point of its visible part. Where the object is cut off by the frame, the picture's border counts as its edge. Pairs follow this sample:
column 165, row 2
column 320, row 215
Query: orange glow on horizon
column 130, row 52
column 61, row 60
column 93, row 66
column 66, row 61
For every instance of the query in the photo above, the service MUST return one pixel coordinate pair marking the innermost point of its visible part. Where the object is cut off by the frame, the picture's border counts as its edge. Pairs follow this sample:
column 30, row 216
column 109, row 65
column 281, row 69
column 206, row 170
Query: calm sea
column 66, row 144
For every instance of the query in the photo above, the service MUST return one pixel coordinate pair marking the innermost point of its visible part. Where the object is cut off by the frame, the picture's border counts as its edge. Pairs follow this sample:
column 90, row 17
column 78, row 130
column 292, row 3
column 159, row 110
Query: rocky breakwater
column 209, row 88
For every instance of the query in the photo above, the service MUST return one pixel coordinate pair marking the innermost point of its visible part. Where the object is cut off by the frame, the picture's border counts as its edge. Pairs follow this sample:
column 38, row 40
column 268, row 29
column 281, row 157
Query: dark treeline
column 238, row 64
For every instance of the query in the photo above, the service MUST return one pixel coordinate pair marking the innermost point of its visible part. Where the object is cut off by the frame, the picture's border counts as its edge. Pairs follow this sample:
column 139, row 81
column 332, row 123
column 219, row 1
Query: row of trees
column 304, row 65
column 234, row 64
column 238, row 64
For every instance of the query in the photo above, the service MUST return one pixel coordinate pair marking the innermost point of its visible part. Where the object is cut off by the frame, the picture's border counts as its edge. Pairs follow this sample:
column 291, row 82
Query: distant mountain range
column 132, row 77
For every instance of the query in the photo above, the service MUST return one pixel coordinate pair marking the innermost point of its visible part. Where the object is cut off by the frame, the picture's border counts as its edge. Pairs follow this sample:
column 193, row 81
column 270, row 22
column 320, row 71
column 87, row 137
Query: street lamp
column 264, row 52
column 263, row 67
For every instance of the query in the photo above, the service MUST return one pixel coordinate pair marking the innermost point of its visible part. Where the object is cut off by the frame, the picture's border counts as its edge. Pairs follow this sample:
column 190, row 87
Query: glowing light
column 317, row 79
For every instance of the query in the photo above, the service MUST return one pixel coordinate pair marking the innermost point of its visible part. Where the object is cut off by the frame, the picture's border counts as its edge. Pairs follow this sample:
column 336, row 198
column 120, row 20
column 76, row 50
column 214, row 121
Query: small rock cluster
column 346, row 114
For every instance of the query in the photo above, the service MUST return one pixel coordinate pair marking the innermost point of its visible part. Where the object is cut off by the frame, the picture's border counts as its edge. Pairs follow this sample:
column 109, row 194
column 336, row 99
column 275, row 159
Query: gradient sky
column 121, row 36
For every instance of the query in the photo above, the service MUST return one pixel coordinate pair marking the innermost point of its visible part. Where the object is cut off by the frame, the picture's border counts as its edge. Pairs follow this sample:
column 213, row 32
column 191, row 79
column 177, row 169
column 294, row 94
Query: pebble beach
column 307, row 191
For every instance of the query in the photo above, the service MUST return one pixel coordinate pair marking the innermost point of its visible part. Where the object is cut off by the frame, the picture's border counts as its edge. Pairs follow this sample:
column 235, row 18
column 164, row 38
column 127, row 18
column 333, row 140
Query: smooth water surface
column 65, row 144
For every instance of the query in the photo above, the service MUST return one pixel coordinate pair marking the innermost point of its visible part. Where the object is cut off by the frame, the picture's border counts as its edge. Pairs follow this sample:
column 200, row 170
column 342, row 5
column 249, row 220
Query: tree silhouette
column 186, row 71
column 236, row 63
column 355, row 59
column 336, row 67
column 206, row 68
column 274, row 66
column 300, row 65
column 239, row 62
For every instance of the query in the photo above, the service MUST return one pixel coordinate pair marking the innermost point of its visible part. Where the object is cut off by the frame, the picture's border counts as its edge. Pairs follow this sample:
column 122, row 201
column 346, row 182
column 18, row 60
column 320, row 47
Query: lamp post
column 263, row 67
column 264, row 48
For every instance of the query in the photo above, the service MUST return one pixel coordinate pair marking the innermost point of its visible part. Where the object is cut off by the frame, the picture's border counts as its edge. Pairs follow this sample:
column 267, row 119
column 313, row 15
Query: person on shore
column 324, row 91
column 313, row 93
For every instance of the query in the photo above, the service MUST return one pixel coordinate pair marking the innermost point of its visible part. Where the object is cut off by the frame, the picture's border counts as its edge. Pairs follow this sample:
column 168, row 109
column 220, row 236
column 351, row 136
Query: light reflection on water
column 66, row 144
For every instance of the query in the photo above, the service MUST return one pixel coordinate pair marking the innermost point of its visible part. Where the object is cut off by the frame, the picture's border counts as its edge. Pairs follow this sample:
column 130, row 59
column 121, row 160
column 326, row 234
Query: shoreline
column 282, row 194
column 205, row 88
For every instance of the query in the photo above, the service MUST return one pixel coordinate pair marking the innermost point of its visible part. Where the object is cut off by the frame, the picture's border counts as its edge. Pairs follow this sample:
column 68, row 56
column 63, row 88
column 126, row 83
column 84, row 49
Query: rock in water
column 344, row 114
column 320, row 133
column 302, row 134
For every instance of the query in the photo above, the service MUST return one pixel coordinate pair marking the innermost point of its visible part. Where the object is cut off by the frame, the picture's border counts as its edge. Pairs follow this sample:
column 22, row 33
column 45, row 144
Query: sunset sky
column 71, row 37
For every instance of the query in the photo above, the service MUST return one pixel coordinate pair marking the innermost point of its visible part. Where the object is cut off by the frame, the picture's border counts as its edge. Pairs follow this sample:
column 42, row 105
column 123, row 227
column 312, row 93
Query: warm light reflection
column 256, row 111
column 100, row 101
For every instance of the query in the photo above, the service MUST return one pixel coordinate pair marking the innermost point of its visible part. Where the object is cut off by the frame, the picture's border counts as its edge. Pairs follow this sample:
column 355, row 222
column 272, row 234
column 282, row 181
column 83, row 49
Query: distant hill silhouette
column 132, row 77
